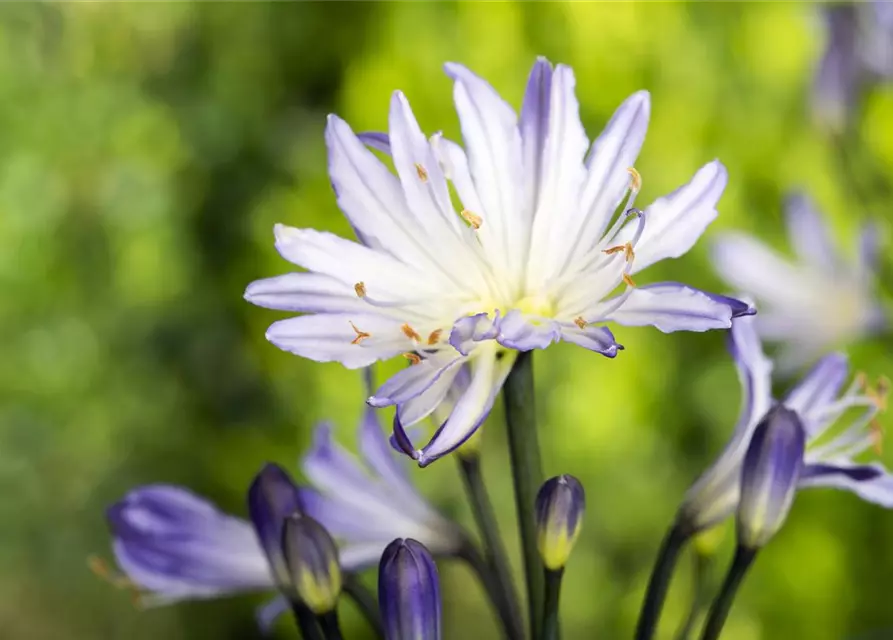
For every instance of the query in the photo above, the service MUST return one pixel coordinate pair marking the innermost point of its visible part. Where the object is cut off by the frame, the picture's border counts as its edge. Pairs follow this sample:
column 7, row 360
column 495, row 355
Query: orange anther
column 410, row 333
column 628, row 280
column 413, row 358
column 360, row 288
column 361, row 335
column 423, row 173
column 472, row 219
column 636, row 178
column 435, row 336
column 580, row 322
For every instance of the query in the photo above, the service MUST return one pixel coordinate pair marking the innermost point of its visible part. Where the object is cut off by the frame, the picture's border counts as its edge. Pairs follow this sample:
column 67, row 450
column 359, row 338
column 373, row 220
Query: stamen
column 472, row 219
column 626, row 248
column 413, row 358
column 628, row 280
column 361, row 335
column 435, row 336
column 580, row 322
column 636, row 181
column 877, row 436
column 360, row 288
column 423, row 173
column 411, row 333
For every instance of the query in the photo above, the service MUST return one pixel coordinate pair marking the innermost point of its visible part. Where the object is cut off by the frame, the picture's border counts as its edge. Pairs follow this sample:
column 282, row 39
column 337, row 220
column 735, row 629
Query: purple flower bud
column 272, row 498
column 560, row 504
column 409, row 592
column 311, row 558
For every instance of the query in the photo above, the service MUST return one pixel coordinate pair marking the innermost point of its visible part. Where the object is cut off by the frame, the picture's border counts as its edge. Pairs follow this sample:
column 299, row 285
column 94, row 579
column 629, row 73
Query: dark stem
column 505, row 599
column 365, row 601
column 527, row 475
column 306, row 622
column 699, row 595
column 330, row 627
column 719, row 611
column 550, row 606
column 660, row 582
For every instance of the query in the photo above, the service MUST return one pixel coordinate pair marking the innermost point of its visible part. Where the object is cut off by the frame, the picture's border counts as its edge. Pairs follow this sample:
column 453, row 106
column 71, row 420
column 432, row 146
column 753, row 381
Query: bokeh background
column 146, row 150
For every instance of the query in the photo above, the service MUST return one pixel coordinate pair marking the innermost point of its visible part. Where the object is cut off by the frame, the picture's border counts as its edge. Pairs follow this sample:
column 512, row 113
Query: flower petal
column 376, row 140
column 808, row 234
column 172, row 542
column 671, row 306
column 598, row 339
column 331, row 337
column 870, row 482
column 413, row 380
column 305, row 292
column 534, row 128
column 675, row 222
column 470, row 330
column 817, row 389
column 429, row 401
column 523, row 333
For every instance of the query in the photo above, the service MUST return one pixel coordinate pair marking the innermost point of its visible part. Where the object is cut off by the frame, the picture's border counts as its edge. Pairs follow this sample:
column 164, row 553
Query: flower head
column 816, row 303
column 174, row 545
column 832, row 442
column 532, row 254
column 409, row 592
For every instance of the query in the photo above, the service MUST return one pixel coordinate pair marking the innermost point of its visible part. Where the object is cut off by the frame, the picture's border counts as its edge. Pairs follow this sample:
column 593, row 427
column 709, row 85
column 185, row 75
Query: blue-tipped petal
column 376, row 140
column 272, row 497
column 560, row 504
column 871, row 482
column 409, row 592
column 769, row 476
column 594, row 338
column 671, row 306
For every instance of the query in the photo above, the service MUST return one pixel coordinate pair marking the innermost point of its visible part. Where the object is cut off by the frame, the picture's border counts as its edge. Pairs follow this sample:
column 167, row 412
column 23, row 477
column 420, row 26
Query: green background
column 146, row 150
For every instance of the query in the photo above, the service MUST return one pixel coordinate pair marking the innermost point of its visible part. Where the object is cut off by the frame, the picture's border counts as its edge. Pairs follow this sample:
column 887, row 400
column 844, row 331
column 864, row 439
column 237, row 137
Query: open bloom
column 531, row 253
column 175, row 545
column 833, row 447
column 858, row 54
column 817, row 303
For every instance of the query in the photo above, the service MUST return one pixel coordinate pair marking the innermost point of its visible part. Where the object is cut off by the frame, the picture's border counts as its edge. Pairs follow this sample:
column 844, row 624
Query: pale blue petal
column 672, row 307
column 520, row 332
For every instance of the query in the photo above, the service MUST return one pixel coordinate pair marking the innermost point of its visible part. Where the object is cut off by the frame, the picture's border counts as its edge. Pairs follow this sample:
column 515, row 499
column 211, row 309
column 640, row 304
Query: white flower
column 531, row 255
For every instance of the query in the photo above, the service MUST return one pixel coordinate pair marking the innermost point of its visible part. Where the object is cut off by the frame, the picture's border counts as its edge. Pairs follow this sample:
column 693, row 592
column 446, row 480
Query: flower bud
column 311, row 558
column 273, row 497
column 769, row 476
column 409, row 592
column 559, row 517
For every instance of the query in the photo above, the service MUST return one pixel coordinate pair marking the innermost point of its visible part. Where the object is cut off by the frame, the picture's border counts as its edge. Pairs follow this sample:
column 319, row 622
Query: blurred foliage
column 146, row 150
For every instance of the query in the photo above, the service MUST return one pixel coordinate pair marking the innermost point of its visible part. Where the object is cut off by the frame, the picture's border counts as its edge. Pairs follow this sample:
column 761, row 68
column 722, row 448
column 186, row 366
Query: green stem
column 550, row 606
column 698, row 596
column 527, row 474
column 306, row 622
column 365, row 601
column 505, row 599
column 330, row 627
column 719, row 611
column 660, row 582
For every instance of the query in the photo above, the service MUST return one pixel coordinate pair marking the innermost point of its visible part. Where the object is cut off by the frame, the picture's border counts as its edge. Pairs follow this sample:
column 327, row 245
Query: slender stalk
column 505, row 596
column 698, row 597
column 719, row 611
column 550, row 604
column 660, row 582
column 365, row 601
column 306, row 622
column 512, row 627
column 527, row 474
column 330, row 627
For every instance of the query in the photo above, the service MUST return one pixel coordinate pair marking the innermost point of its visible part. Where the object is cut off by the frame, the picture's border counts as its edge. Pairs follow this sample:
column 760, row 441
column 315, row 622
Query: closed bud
column 409, row 592
column 273, row 497
column 769, row 476
column 560, row 504
column 311, row 559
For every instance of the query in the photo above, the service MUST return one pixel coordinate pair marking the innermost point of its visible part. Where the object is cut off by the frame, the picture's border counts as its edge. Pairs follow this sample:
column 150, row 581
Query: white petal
column 305, row 292
column 534, row 128
column 671, row 307
column 808, row 233
column 413, row 380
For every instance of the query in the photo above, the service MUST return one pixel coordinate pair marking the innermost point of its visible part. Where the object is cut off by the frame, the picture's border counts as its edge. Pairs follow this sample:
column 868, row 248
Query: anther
column 877, row 436
column 472, row 219
column 580, row 322
column 360, row 288
column 361, row 335
column 423, row 173
column 410, row 333
column 435, row 336
column 636, row 178
column 628, row 280
column 413, row 358
column 626, row 248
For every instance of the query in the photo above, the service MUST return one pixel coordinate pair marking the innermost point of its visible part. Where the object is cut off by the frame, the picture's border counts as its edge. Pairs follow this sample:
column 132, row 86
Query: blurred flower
column 769, row 475
column 531, row 258
column 312, row 561
column 560, row 504
column 858, row 53
column 175, row 545
column 831, row 451
column 821, row 301
column 409, row 592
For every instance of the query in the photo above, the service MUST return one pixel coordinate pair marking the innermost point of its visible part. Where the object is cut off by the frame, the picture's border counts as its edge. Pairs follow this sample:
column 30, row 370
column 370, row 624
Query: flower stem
column 719, row 611
column 365, row 601
column 660, row 582
column 330, row 627
column 698, row 597
column 550, row 607
column 306, row 622
column 527, row 474
column 503, row 594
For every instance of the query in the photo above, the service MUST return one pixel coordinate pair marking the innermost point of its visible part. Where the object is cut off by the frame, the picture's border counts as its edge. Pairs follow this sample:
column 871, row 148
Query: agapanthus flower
column 530, row 253
column 836, row 439
column 820, row 301
column 858, row 53
column 174, row 545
